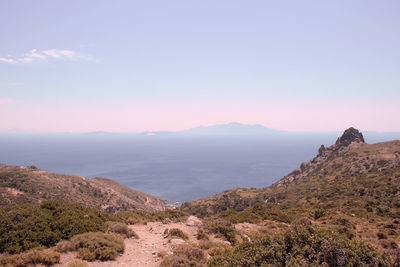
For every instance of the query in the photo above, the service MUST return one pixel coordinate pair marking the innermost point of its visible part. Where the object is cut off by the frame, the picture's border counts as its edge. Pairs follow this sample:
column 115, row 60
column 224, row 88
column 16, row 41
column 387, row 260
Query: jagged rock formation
column 29, row 185
column 350, row 138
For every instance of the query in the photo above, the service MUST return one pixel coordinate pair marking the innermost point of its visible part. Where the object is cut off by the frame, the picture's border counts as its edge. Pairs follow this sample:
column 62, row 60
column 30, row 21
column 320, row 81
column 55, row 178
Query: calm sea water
column 174, row 168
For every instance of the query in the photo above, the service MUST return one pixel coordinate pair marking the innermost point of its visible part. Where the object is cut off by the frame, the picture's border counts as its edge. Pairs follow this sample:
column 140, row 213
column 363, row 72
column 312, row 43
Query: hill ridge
column 23, row 185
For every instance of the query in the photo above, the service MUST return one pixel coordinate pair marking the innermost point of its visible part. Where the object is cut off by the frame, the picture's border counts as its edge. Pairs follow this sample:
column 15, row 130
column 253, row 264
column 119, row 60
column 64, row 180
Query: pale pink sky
column 158, row 115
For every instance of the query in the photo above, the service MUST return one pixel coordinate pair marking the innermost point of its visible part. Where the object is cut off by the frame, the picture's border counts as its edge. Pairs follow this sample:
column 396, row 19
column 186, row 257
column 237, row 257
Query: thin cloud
column 44, row 56
column 8, row 60
column 33, row 54
column 52, row 53
column 67, row 53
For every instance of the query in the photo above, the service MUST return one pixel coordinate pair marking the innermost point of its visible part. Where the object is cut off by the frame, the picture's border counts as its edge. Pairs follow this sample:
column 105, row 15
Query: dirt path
column 142, row 252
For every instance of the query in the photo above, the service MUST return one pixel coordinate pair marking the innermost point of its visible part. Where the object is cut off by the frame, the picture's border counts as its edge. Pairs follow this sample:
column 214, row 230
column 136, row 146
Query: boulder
column 193, row 221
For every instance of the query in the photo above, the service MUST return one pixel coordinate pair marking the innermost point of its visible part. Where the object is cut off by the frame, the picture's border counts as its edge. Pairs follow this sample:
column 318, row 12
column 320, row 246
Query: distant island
column 232, row 128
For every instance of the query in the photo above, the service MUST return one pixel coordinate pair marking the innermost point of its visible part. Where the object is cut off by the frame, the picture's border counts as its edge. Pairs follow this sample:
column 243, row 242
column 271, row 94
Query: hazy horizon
column 188, row 131
column 131, row 66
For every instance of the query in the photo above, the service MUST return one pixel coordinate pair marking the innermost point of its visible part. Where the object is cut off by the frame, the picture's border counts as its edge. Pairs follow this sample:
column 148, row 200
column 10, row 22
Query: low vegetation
column 46, row 257
column 222, row 228
column 28, row 226
column 78, row 263
column 300, row 246
column 257, row 213
column 142, row 217
column 98, row 246
column 185, row 255
column 24, row 227
column 121, row 229
column 177, row 233
column 202, row 235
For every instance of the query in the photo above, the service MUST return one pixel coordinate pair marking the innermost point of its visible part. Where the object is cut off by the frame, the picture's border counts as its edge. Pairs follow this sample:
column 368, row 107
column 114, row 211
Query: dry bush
column 201, row 235
column 302, row 221
column 220, row 248
column 176, row 261
column 190, row 252
column 185, row 255
column 381, row 235
column 45, row 257
column 121, row 229
column 77, row 263
column 98, row 246
column 134, row 220
column 206, row 244
column 175, row 232
column 162, row 253
column 65, row 246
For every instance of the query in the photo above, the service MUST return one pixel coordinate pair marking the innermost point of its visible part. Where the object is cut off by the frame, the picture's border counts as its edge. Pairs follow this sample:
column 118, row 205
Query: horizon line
column 23, row 131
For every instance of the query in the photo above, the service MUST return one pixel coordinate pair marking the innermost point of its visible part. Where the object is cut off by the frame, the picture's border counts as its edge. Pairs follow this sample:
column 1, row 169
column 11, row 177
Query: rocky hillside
column 348, row 168
column 22, row 185
column 350, row 185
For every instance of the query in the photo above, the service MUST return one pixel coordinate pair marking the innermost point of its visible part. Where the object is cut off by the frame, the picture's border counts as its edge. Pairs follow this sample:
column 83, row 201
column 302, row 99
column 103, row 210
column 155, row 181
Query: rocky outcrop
column 350, row 138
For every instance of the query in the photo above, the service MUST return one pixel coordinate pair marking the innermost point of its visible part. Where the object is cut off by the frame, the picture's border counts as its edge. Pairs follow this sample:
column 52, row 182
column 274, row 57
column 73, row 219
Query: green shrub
column 28, row 226
column 318, row 213
column 98, row 246
column 222, row 227
column 300, row 246
column 175, row 232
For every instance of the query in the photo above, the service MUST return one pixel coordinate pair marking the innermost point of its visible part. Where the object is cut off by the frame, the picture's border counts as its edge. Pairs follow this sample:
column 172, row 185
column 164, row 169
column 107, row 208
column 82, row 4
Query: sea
column 176, row 168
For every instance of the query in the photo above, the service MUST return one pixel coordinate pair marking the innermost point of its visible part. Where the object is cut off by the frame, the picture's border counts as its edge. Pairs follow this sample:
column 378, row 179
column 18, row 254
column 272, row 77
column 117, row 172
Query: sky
column 127, row 66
